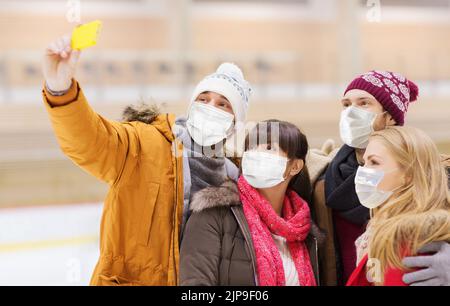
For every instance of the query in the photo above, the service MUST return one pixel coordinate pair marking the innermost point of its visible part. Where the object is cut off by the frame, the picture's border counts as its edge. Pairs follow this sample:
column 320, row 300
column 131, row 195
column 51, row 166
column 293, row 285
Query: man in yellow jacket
column 152, row 166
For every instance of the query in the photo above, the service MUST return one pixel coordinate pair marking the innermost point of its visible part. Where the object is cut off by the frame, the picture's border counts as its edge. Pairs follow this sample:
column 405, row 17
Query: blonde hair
column 418, row 212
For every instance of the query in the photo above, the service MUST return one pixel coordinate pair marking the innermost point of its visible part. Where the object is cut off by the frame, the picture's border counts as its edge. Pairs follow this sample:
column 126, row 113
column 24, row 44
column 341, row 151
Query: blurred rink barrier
column 49, row 246
column 297, row 54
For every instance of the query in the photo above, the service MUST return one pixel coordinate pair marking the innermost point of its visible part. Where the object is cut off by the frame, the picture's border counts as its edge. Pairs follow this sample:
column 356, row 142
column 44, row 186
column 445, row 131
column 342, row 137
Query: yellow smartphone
column 85, row 35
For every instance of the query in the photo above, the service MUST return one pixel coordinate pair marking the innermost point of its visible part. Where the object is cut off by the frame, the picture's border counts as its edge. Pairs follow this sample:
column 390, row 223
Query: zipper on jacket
column 174, row 217
column 316, row 261
column 246, row 237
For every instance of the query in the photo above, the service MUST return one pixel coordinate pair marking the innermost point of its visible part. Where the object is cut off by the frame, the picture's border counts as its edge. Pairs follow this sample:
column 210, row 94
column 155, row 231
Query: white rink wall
column 52, row 245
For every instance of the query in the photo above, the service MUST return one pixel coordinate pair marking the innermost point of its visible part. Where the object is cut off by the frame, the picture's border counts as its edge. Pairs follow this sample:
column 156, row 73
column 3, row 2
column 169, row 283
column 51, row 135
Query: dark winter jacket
column 216, row 247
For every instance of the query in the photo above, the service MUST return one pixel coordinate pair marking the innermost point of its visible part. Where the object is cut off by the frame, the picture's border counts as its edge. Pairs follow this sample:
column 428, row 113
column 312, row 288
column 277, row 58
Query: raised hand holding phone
column 62, row 55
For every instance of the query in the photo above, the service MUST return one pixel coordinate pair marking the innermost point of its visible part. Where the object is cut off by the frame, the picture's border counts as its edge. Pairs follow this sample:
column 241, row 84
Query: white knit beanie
column 229, row 82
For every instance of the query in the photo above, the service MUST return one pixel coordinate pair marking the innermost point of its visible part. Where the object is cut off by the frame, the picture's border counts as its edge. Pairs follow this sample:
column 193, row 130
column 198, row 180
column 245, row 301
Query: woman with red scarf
column 257, row 232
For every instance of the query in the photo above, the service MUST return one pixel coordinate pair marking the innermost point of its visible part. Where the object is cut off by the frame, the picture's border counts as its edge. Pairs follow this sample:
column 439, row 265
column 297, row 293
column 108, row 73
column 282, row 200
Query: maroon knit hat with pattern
column 392, row 90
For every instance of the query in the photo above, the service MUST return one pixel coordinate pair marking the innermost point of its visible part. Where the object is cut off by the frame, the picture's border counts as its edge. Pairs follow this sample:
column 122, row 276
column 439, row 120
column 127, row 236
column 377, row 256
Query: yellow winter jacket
column 139, row 234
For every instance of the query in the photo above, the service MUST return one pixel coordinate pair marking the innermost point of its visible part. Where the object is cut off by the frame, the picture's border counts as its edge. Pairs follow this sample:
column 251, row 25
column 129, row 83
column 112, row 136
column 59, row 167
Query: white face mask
column 355, row 126
column 366, row 186
column 208, row 125
column 262, row 169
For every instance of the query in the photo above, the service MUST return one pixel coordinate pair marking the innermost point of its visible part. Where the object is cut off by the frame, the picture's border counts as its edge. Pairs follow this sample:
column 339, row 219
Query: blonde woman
column 405, row 185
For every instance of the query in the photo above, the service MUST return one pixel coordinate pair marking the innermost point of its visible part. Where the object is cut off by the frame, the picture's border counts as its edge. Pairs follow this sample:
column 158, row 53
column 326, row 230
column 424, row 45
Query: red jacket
column 392, row 276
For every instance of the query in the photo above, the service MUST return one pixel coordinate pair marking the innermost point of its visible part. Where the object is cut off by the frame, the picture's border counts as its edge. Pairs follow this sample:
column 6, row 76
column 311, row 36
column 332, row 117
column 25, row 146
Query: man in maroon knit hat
column 371, row 102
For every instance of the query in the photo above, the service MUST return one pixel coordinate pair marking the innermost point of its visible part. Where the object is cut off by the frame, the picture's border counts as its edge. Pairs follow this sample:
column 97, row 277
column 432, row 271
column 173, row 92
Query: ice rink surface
column 49, row 245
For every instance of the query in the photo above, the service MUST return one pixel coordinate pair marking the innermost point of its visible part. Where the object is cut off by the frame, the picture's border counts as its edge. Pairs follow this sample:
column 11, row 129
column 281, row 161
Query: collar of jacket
column 151, row 114
column 227, row 195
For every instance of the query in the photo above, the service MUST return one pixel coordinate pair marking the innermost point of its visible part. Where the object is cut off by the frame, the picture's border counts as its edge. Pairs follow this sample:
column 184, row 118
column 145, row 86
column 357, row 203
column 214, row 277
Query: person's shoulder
column 149, row 122
column 216, row 198
column 142, row 112
column 212, row 206
column 318, row 160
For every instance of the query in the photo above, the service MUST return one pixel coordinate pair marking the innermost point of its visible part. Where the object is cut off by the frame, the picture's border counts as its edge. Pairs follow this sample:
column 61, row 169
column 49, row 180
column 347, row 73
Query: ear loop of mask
column 371, row 211
column 375, row 118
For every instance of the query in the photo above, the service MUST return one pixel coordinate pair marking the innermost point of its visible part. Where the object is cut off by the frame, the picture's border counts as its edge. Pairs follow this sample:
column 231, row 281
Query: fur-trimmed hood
column 150, row 114
column 142, row 112
column 227, row 195
column 223, row 196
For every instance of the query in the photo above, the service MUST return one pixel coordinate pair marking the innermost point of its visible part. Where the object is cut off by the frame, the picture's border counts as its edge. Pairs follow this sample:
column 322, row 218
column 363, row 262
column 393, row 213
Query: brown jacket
column 139, row 233
column 317, row 162
column 217, row 247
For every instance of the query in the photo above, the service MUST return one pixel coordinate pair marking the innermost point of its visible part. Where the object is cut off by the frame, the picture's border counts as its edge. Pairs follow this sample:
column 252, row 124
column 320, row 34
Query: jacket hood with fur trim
column 143, row 113
column 223, row 196
column 227, row 195
column 150, row 114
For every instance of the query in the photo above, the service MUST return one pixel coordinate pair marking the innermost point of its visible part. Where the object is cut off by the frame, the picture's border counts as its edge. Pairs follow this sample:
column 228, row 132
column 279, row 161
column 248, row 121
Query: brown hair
column 291, row 141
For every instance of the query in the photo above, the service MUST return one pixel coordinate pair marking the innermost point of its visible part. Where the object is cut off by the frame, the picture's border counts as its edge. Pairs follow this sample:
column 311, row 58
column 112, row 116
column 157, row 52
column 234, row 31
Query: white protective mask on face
column 208, row 125
column 262, row 169
column 366, row 186
column 356, row 125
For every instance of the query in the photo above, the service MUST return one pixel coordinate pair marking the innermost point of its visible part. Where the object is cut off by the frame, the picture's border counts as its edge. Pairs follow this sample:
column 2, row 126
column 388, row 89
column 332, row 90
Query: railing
column 128, row 75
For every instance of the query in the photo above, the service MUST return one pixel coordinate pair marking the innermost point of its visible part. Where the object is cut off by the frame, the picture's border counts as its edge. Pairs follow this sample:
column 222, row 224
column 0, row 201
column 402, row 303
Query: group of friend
column 182, row 210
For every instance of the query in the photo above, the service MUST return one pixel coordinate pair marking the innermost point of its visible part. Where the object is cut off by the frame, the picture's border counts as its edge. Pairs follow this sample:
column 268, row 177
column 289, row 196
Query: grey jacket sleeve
column 201, row 248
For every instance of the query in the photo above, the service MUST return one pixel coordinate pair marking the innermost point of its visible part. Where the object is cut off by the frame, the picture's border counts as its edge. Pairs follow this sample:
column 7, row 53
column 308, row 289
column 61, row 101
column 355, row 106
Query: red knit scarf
column 263, row 220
